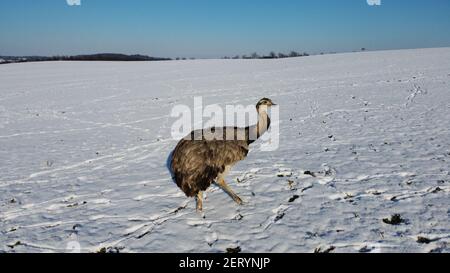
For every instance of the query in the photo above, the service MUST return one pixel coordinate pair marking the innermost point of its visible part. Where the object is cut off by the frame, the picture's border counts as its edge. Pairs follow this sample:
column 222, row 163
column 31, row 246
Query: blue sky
column 214, row 28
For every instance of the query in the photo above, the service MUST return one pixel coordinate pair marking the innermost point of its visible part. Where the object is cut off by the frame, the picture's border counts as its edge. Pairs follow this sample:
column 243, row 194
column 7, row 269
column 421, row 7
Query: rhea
column 205, row 157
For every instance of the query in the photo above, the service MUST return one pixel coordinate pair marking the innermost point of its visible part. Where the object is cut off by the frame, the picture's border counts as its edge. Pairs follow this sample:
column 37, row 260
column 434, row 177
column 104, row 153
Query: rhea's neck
column 263, row 123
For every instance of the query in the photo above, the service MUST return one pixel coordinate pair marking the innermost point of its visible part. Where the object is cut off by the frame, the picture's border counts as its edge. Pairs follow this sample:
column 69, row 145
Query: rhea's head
column 264, row 104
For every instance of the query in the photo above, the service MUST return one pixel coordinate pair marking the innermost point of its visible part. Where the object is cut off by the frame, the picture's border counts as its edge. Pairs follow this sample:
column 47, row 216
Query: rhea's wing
column 226, row 153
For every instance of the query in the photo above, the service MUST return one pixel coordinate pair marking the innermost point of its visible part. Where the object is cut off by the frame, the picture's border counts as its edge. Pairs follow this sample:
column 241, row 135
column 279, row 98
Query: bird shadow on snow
column 168, row 163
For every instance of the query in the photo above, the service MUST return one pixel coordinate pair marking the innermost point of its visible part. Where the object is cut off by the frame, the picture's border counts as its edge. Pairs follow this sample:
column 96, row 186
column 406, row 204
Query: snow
column 363, row 136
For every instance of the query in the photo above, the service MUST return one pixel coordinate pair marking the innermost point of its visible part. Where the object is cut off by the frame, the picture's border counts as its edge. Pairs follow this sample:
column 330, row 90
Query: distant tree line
column 272, row 55
column 184, row 58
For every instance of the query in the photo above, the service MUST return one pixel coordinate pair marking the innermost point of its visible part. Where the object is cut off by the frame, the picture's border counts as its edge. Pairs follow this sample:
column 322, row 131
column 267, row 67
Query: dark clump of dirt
column 293, row 198
column 18, row 243
column 179, row 209
column 423, row 240
column 310, row 173
column 234, row 250
column 395, row 220
column 328, row 250
column 279, row 217
column 307, row 188
column 102, row 250
column 76, row 204
column 365, row 249
column 437, row 190
column 12, row 229
column 394, row 199
column 109, row 250
column 76, row 226
column 284, row 175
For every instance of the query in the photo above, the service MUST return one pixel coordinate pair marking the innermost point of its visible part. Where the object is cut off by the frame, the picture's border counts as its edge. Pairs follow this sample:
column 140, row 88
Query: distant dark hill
column 114, row 57
column 92, row 57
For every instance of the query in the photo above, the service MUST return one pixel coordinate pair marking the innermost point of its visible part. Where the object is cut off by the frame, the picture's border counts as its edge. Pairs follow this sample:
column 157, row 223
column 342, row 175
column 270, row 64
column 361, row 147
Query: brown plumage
column 205, row 156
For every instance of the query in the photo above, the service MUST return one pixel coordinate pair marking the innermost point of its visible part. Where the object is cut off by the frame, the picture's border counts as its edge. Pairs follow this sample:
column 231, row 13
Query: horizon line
column 363, row 49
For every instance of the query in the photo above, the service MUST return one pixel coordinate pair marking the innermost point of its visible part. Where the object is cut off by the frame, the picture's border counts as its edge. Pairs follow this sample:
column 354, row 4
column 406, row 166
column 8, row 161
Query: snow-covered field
column 83, row 150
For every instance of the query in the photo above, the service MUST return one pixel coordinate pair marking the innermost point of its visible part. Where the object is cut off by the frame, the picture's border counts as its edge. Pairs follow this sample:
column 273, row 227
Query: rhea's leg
column 199, row 199
column 223, row 185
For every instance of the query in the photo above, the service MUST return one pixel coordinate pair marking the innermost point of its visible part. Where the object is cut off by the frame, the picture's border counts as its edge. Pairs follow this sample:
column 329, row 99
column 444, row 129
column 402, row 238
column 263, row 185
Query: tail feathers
column 192, row 184
column 188, row 191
